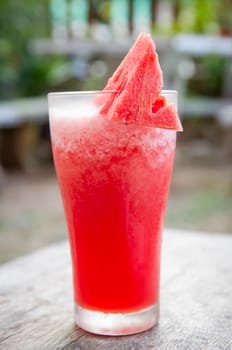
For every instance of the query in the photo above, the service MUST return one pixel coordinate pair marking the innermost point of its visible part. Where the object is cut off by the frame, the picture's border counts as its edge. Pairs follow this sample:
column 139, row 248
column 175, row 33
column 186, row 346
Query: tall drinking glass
column 114, row 180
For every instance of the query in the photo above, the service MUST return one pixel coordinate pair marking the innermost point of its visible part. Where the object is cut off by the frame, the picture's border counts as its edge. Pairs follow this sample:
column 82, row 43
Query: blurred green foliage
column 198, row 16
column 209, row 76
column 21, row 72
column 101, row 10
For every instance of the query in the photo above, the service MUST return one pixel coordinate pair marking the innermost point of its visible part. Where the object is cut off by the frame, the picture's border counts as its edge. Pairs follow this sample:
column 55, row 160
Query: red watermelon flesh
column 137, row 85
column 160, row 101
column 166, row 117
column 137, row 81
column 129, row 105
column 134, row 63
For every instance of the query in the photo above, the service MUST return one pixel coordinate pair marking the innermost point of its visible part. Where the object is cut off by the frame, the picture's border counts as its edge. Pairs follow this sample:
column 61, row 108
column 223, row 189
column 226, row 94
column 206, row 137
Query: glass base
column 116, row 323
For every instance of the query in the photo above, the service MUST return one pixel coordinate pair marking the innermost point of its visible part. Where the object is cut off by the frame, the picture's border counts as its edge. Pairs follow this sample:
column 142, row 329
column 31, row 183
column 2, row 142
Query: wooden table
column 36, row 307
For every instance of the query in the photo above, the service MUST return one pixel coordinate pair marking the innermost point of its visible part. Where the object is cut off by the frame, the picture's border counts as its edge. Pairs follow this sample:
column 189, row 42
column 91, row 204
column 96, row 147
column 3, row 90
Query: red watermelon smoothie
column 113, row 153
column 114, row 179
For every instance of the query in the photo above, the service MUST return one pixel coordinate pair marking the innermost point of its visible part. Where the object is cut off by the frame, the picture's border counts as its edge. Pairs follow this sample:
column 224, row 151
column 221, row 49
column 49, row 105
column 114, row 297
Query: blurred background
column 62, row 45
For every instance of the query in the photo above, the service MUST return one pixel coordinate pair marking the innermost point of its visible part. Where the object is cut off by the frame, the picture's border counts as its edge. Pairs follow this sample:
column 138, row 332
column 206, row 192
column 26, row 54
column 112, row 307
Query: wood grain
column 36, row 306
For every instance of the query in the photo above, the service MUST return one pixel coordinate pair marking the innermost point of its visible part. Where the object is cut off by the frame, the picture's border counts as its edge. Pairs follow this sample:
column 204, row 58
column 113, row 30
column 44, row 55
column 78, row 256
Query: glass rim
column 98, row 92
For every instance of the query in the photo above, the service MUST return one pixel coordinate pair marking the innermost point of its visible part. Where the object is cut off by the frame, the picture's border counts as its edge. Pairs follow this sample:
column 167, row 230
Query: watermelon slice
column 137, row 84
column 165, row 115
